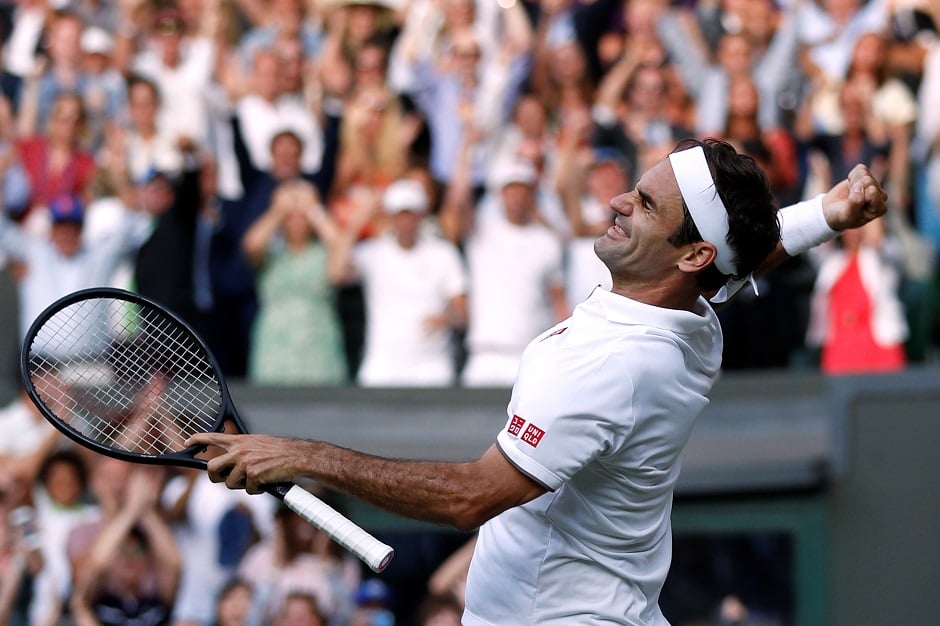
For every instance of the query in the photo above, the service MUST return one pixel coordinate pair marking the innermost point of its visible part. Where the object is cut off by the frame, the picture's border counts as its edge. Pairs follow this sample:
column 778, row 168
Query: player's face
column 636, row 245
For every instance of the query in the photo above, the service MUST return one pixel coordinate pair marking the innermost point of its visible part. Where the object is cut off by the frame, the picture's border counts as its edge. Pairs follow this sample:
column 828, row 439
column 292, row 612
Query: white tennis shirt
column 603, row 405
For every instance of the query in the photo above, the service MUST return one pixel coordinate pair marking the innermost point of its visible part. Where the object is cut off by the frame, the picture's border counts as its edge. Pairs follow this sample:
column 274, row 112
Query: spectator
column 148, row 146
column 560, row 75
column 15, row 189
column 26, row 438
column 50, row 266
column 267, row 110
column 500, row 272
column 181, row 66
column 164, row 266
column 232, row 280
column 59, row 495
column 214, row 527
column 863, row 137
column 132, row 568
column 55, row 161
column 234, row 605
column 60, row 70
column 530, row 134
column 772, row 146
column 274, row 20
column 760, row 47
column 465, row 89
column 374, row 148
column 104, row 92
column 20, row 559
column 96, row 13
column 588, row 181
column 892, row 104
column 287, row 563
column 415, row 293
column 632, row 106
column 300, row 609
column 373, row 604
column 297, row 337
column 827, row 33
column 857, row 318
column 352, row 25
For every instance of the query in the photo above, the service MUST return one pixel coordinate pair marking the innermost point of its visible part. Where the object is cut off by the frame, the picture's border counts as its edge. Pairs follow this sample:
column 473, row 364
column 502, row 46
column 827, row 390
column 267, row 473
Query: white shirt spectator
column 511, row 270
column 51, row 275
column 183, row 108
column 21, row 428
column 262, row 120
column 831, row 44
column 161, row 153
column 403, row 289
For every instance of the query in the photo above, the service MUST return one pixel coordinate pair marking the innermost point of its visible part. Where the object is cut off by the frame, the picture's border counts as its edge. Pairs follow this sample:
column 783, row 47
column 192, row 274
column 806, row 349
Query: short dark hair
column 753, row 230
column 288, row 134
column 65, row 457
column 137, row 79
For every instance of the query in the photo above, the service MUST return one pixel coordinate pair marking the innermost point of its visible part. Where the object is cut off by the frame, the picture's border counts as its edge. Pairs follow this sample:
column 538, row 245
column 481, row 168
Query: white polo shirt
column 603, row 405
column 403, row 289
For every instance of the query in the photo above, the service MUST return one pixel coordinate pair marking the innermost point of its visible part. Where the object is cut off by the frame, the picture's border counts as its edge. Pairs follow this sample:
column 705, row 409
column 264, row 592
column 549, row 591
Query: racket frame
column 183, row 458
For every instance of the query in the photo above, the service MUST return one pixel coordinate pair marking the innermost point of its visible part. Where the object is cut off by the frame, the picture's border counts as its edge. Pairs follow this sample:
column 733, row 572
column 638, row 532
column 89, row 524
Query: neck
column 406, row 243
column 679, row 293
column 59, row 145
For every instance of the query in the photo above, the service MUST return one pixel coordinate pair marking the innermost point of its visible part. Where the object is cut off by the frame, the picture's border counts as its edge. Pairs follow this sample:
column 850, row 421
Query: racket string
column 132, row 380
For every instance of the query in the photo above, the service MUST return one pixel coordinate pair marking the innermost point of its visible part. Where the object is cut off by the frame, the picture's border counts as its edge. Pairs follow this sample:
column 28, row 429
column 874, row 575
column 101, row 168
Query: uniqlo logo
column 515, row 425
column 532, row 435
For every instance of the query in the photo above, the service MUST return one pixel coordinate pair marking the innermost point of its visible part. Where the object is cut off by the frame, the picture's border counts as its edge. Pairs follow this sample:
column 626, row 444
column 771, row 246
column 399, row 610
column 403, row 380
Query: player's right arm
column 462, row 495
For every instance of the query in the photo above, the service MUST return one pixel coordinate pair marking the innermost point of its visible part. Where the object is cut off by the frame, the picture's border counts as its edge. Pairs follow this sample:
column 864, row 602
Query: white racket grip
column 345, row 532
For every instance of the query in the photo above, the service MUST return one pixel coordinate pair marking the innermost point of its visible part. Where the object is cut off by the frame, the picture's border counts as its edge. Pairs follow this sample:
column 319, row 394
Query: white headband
column 705, row 205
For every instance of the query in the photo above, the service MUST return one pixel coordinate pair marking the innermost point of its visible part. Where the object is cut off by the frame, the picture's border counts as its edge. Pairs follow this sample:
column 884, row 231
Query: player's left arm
column 851, row 203
column 463, row 495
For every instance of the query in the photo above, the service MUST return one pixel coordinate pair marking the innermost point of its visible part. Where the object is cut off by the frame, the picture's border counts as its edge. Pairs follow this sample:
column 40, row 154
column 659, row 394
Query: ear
column 697, row 257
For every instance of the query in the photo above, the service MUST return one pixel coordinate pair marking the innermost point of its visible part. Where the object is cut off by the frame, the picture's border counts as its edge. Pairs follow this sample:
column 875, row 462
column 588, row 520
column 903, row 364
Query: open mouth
column 617, row 231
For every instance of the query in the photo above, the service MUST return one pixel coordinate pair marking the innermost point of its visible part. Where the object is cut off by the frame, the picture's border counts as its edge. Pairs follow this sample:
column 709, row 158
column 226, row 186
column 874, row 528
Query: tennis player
column 575, row 496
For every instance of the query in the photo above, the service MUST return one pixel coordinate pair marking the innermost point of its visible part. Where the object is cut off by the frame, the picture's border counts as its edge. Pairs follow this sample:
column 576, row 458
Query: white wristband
column 803, row 226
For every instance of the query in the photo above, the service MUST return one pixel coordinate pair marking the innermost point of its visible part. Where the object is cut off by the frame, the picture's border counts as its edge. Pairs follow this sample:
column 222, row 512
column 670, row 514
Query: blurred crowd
column 404, row 193
column 93, row 541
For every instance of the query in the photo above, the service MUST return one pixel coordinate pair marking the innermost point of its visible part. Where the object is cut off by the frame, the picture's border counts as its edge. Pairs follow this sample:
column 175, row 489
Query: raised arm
column 258, row 237
column 851, row 203
column 138, row 510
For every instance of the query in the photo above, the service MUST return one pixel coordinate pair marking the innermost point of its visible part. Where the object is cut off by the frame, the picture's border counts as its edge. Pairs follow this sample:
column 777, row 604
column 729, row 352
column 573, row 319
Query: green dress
column 297, row 337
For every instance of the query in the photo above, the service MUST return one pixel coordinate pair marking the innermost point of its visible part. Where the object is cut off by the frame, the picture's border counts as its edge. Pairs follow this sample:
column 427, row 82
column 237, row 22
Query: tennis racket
column 125, row 377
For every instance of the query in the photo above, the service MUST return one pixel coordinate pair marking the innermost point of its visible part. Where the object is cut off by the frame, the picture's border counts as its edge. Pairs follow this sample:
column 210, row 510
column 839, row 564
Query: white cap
column 405, row 195
column 515, row 171
column 96, row 41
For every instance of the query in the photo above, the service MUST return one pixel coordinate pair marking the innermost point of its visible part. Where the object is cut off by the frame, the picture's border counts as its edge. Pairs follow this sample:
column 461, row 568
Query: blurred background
column 369, row 207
